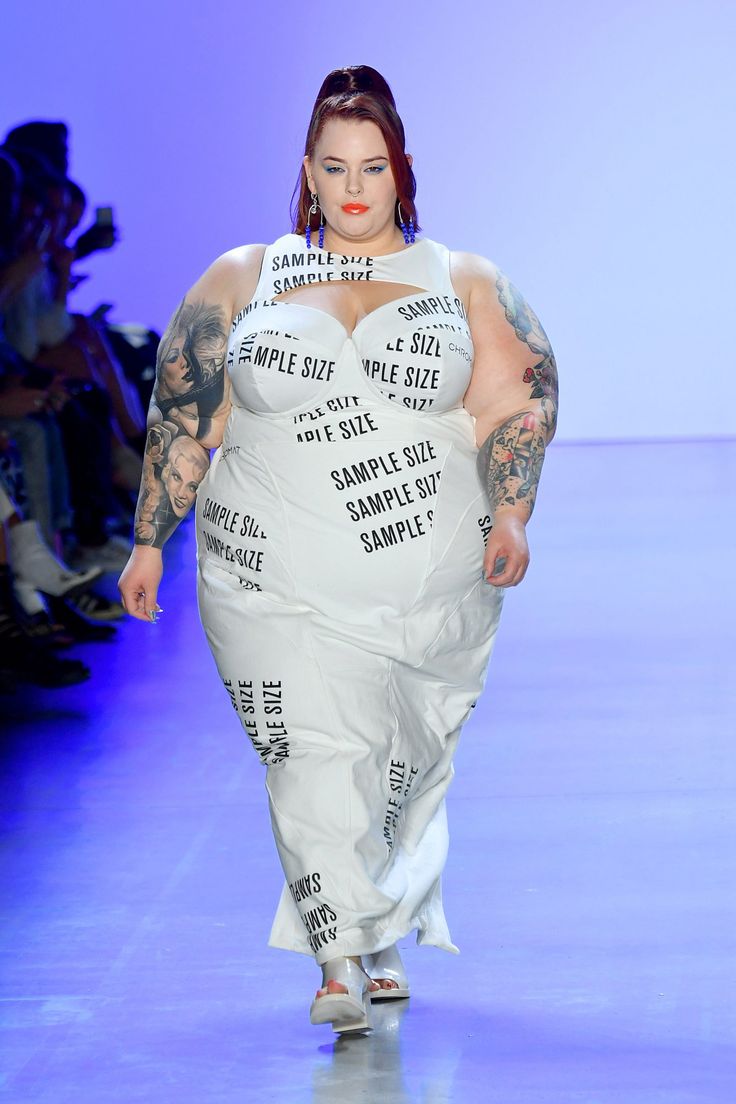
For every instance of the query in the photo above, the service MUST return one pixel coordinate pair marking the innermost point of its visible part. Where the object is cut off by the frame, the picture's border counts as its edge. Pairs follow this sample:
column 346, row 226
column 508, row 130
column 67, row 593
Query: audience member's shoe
column 47, row 670
column 98, row 608
column 32, row 615
column 42, row 627
column 26, row 660
column 84, row 629
column 30, row 600
column 113, row 555
column 35, row 564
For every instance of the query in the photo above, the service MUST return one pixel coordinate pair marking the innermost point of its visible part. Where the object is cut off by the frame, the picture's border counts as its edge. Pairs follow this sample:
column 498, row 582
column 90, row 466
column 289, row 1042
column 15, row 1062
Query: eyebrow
column 380, row 157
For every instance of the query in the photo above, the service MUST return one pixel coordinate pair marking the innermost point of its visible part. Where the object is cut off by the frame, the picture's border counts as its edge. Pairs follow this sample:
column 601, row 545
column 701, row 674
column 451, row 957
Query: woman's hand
column 97, row 237
column 58, row 395
column 507, row 544
column 18, row 401
column 139, row 583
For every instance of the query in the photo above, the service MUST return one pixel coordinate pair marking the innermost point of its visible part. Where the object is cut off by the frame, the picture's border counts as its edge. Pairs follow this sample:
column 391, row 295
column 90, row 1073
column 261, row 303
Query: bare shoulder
column 243, row 258
column 472, row 266
column 237, row 264
column 232, row 277
column 474, row 278
column 492, row 299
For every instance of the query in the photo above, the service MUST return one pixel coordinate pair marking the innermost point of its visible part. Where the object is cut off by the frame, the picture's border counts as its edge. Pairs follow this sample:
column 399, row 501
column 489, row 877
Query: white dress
column 341, row 532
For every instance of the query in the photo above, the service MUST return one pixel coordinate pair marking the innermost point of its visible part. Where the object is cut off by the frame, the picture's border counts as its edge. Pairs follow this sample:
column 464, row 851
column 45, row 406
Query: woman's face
column 176, row 372
column 350, row 166
column 181, row 477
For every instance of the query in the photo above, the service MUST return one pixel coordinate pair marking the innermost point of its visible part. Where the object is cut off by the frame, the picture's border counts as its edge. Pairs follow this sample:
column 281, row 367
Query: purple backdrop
column 583, row 147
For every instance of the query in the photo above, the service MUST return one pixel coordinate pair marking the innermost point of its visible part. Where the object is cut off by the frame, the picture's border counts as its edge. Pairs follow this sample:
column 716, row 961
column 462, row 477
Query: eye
column 376, row 168
column 332, row 168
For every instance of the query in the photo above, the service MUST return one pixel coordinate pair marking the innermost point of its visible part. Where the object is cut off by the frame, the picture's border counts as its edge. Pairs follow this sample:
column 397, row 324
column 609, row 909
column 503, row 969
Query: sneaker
column 42, row 628
column 36, row 567
column 81, row 628
column 97, row 608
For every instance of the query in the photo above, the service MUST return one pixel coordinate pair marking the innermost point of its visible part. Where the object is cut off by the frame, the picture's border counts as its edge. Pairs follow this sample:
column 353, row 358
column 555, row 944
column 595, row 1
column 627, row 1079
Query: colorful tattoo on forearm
column 515, row 457
column 515, row 449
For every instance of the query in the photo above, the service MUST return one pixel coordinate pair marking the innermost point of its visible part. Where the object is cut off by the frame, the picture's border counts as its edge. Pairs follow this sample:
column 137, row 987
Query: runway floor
column 591, row 881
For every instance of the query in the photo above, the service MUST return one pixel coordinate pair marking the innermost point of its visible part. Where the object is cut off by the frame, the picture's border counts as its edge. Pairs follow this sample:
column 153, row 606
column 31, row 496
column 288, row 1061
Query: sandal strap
column 346, row 972
column 387, row 965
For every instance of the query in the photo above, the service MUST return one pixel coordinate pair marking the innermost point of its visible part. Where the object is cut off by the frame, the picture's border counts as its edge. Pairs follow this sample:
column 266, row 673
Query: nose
column 354, row 188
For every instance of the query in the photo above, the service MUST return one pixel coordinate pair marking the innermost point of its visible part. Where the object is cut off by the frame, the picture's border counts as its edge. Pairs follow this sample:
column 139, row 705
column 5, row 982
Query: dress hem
column 364, row 946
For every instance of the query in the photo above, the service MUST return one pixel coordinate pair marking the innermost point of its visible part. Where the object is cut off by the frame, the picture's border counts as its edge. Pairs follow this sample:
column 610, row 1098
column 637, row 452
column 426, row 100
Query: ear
column 410, row 159
column 308, row 173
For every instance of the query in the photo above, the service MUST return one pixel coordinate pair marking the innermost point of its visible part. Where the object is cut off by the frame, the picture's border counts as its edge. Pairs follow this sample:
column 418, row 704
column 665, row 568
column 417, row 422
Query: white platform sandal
column 386, row 965
column 345, row 1011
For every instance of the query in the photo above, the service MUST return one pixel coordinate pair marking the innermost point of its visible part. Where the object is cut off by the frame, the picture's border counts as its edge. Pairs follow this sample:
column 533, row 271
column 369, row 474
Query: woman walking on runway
column 380, row 408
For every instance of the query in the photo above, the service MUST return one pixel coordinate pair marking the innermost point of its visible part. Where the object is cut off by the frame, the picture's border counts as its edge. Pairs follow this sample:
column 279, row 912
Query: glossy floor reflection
column 590, row 884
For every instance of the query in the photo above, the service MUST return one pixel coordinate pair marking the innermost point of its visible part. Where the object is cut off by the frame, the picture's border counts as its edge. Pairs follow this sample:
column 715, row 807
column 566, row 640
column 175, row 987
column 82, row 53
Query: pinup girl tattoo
column 190, row 367
column 188, row 392
column 517, row 446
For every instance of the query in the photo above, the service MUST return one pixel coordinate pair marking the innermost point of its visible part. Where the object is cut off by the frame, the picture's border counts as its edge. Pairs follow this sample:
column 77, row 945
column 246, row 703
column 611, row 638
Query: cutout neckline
column 351, row 334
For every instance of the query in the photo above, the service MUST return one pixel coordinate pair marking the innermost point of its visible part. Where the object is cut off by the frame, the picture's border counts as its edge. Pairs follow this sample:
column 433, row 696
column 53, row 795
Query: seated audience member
column 30, row 315
column 24, row 658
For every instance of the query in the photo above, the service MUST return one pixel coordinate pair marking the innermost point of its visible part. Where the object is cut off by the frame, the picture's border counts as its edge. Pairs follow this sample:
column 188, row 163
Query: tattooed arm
column 187, row 411
column 187, row 415
column 513, row 397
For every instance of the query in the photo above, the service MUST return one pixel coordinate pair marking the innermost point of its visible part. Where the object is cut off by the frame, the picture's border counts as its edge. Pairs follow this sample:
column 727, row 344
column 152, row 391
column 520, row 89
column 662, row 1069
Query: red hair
column 358, row 92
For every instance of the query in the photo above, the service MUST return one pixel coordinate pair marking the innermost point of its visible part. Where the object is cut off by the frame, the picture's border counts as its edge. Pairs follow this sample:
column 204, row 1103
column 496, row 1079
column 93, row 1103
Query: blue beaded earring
column 308, row 228
column 408, row 232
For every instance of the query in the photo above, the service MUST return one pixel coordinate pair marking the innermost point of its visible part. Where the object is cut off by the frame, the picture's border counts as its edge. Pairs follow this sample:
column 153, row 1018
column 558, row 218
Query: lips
column 354, row 208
